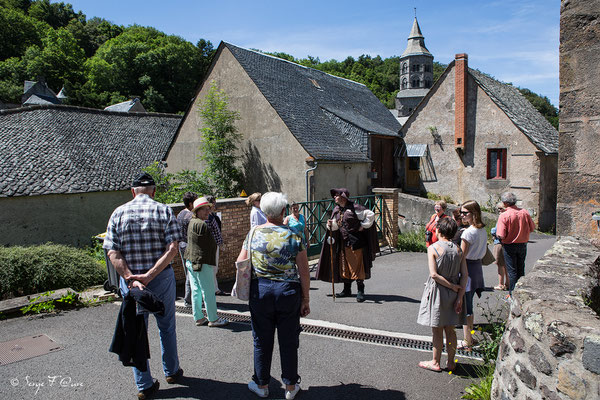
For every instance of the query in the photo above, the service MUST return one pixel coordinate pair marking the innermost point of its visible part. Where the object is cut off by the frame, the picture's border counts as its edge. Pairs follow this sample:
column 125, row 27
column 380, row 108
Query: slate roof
column 133, row 105
column 521, row 112
column 516, row 107
column 302, row 96
column 50, row 149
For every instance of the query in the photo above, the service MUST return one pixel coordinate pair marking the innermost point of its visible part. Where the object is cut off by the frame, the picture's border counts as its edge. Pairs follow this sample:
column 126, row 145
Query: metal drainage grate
column 365, row 337
column 27, row 347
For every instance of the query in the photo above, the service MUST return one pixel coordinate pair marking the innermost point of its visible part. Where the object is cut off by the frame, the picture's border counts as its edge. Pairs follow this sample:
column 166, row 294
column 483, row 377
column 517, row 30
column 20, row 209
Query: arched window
column 404, row 83
column 427, row 83
column 404, row 68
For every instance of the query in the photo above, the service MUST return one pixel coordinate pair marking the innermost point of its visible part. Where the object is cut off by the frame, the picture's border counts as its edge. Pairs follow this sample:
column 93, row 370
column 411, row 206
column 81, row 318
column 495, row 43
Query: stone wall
column 579, row 133
column 551, row 347
column 235, row 217
column 415, row 212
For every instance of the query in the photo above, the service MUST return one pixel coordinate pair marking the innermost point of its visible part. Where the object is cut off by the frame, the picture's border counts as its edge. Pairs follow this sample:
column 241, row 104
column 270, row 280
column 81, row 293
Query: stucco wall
column 60, row 218
column 463, row 177
column 352, row 176
column 271, row 157
column 579, row 133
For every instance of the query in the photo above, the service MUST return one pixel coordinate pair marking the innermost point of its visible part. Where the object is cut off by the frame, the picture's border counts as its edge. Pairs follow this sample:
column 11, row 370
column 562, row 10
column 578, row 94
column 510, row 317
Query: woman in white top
column 474, row 246
column 257, row 217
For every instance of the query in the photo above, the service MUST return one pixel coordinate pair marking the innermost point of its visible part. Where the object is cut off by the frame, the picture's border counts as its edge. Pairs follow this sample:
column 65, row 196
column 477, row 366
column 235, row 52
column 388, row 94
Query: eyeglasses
column 464, row 213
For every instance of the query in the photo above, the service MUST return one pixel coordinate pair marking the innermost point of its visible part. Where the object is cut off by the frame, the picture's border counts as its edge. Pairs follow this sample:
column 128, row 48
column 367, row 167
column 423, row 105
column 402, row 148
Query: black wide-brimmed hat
column 340, row 192
column 143, row 179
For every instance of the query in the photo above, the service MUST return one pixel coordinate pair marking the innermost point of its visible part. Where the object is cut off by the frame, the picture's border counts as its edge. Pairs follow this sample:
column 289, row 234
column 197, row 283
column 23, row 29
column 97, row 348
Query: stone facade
column 530, row 173
column 578, row 173
column 551, row 346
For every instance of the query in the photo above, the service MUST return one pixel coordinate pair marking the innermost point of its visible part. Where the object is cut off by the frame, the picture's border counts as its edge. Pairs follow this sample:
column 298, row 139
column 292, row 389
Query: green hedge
column 36, row 269
column 412, row 241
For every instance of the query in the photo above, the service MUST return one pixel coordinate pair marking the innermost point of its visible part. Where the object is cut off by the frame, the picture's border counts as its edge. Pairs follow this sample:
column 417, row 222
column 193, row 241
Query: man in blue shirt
column 142, row 238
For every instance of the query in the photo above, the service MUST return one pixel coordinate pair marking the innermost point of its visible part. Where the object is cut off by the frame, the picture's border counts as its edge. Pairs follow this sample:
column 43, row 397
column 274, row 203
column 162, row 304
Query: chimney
column 461, row 68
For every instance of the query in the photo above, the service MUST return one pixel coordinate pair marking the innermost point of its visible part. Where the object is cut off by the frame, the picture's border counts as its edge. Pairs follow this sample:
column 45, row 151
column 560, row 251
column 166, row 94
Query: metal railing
column 316, row 214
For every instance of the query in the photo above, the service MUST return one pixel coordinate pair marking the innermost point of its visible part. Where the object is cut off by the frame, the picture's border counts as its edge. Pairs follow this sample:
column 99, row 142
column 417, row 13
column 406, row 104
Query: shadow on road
column 197, row 388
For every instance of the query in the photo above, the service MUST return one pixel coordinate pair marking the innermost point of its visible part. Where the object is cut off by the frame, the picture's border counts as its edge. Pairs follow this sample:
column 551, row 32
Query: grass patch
column 412, row 241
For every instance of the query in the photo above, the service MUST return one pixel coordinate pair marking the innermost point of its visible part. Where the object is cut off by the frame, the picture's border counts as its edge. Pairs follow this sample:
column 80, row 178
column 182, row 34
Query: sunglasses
column 464, row 213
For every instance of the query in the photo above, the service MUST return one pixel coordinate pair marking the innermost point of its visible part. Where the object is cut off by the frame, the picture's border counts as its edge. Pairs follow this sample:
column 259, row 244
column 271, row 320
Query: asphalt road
column 218, row 361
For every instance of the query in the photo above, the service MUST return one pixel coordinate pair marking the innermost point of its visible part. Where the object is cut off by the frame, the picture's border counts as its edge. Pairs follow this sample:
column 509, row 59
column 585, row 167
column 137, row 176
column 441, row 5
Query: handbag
column 243, row 274
column 488, row 258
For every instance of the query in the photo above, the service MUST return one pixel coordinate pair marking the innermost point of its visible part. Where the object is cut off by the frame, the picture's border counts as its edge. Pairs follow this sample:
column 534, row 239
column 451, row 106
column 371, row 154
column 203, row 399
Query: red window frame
column 500, row 163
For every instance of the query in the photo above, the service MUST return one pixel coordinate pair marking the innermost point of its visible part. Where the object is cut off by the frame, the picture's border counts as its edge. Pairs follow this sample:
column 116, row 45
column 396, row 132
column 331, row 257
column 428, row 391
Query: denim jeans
column 163, row 286
column 187, row 296
column 514, row 257
column 275, row 305
column 202, row 289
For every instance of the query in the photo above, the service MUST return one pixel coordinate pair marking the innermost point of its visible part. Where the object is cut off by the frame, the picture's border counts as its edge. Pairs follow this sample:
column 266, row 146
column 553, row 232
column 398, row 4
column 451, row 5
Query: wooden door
column 382, row 154
column 413, row 172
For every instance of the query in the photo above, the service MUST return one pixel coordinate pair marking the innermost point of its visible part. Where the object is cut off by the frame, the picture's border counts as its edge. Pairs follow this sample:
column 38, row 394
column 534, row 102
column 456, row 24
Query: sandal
column 428, row 366
column 500, row 287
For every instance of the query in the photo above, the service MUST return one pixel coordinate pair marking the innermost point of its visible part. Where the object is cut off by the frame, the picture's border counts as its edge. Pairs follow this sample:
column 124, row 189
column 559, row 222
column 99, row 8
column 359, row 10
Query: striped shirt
column 141, row 230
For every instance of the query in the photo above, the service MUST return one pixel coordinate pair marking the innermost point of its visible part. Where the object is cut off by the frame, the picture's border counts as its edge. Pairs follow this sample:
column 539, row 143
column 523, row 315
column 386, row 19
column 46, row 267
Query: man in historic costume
column 354, row 248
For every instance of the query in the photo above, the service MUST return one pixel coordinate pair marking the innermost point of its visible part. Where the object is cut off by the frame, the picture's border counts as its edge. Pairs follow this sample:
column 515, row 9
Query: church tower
column 416, row 72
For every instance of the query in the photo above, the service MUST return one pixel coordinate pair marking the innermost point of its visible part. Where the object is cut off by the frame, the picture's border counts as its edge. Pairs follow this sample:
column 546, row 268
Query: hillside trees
column 144, row 62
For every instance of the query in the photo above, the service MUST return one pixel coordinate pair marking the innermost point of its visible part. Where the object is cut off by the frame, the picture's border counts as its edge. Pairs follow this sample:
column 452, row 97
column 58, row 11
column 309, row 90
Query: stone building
column 473, row 137
column 578, row 173
column 65, row 169
column 303, row 131
column 416, row 73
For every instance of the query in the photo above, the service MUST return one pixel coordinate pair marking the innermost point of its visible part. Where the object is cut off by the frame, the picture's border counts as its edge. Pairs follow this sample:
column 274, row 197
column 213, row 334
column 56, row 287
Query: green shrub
column 447, row 198
column 412, row 241
column 36, row 269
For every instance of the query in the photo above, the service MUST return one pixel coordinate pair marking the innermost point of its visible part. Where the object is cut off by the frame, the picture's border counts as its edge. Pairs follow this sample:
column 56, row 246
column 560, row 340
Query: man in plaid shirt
column 142, row 238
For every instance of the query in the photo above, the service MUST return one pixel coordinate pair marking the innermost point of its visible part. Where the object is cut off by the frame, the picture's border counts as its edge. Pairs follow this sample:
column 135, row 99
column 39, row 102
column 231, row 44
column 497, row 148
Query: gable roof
column 133, row 105
column 520, row 111
column 516, row 107
column 305, row 98
column 38, row 93
column 50, row 149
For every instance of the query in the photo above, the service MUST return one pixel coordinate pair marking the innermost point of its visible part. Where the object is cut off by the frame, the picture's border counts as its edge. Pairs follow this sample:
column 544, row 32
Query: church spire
column 416, row 41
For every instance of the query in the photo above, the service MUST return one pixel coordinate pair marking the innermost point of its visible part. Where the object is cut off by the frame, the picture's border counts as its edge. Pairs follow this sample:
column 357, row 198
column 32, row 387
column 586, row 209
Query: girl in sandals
column 442, row 301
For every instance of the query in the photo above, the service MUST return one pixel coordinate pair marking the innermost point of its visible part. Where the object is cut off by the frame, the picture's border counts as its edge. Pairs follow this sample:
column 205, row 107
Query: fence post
column 390, row 214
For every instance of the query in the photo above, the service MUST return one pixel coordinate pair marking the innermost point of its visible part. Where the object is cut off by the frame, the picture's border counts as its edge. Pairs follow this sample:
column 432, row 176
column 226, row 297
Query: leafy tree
column 144, row 61
column 11, row 80
column 57, row 15
column 93, row 33
column 170, row 188
column 60, row 59
column 219, row 143
column 18, row 31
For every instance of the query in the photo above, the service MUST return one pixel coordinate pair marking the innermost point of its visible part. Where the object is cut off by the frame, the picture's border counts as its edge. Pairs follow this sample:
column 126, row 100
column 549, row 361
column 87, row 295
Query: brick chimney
column 461, row 71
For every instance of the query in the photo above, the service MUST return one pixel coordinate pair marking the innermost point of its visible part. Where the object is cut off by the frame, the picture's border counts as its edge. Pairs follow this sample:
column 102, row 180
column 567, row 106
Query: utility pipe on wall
column 306, row 176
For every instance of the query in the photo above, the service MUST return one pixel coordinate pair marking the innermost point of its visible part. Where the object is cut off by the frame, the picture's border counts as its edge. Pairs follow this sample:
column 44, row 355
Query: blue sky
column 513, row 40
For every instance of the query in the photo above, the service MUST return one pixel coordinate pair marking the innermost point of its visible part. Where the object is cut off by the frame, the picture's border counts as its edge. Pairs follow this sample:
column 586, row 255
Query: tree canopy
column 100, row 63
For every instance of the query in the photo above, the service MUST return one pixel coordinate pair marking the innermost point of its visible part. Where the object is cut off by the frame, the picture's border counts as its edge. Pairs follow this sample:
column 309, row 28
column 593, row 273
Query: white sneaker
column 218, row 322
column 259, row 391
column 290, row 394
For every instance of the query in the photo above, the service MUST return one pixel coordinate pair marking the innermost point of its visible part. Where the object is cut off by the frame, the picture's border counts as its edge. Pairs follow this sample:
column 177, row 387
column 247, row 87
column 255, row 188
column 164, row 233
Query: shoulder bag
column 243, row 274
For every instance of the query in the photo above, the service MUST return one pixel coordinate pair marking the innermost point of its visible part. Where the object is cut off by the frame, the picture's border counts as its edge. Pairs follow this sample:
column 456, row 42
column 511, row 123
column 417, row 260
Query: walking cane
column 331, row 241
